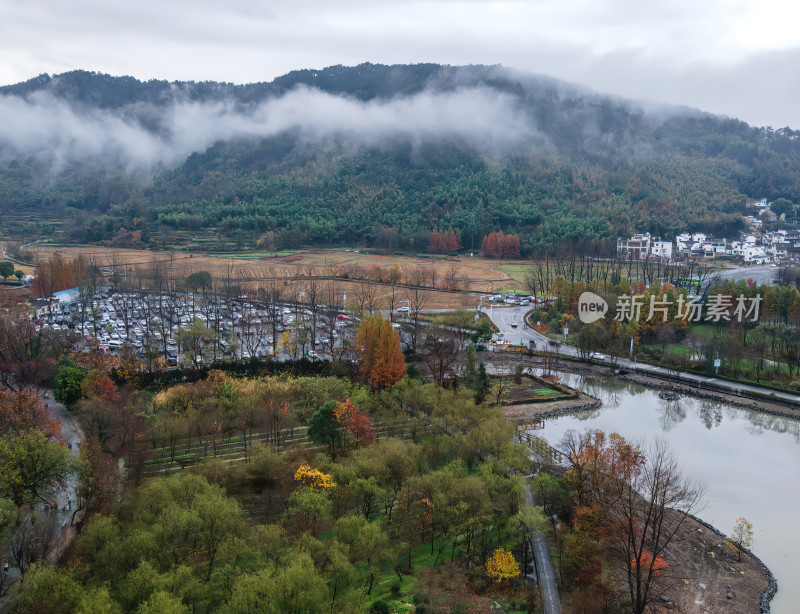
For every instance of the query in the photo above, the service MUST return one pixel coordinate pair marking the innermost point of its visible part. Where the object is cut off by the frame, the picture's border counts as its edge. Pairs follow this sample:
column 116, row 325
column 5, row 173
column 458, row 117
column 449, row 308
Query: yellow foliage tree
column 742, row 536
column 502, row 565
column 313, row 478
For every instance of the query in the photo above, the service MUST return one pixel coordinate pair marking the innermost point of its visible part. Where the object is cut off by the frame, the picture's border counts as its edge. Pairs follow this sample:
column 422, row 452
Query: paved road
column 545, row 574
column 66, row 496
column 504, row 316
column 761, row 274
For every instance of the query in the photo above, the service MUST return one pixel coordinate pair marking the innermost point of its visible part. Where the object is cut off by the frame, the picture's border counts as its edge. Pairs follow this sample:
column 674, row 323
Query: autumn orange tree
column 444, row 242
column 337, row 424
column 354, row 424
column 629, row 497
column 378, row 347
column 23, row 410
column 646, row 561
column 500, row 245
column 98, row 384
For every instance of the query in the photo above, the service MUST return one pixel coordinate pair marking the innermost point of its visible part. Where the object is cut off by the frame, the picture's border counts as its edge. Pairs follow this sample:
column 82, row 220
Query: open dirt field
column 475, row 275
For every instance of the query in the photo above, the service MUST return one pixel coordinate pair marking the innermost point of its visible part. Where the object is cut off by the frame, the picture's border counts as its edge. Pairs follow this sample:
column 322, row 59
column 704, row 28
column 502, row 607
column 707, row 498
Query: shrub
column 379, row 607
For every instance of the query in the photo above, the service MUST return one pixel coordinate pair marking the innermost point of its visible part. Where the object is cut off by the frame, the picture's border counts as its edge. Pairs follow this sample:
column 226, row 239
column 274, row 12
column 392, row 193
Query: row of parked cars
column 241, row 327
column 512, row 299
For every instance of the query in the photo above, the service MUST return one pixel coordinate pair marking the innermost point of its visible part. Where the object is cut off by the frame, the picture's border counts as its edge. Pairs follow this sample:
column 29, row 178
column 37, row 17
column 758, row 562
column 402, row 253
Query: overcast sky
column 735, row 57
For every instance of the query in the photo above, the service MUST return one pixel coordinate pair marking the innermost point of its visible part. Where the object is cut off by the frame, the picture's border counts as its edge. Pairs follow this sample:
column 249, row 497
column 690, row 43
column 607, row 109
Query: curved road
column 545, row 574
column 503, row 317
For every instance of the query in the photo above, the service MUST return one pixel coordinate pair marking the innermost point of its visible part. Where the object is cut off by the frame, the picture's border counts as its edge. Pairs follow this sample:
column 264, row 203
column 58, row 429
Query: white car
column 599, row 356
column 403, row 310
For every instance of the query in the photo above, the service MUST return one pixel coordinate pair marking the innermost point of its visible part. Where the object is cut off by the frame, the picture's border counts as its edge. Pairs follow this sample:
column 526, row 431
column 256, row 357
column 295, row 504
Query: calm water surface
column 748, row 461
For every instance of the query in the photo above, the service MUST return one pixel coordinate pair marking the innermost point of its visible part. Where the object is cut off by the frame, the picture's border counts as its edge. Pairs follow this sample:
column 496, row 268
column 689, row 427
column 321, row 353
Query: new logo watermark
column 591, row 307
column 717, row 307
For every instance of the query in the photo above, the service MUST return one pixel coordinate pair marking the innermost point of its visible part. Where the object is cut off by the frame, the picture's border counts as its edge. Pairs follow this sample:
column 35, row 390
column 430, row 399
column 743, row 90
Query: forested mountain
column 374, row 154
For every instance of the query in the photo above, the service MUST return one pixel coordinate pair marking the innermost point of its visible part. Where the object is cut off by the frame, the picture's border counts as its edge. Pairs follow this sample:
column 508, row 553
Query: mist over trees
column 419, row 157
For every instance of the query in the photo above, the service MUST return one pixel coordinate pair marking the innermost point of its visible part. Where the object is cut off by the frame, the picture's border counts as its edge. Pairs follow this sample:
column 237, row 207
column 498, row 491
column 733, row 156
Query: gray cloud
column 53, row 131
column 734, row 57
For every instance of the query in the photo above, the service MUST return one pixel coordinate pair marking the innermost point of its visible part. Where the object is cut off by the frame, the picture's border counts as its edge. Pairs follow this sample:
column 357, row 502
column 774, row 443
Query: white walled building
column 643, row 246
column 755, row 253
column 699, row 245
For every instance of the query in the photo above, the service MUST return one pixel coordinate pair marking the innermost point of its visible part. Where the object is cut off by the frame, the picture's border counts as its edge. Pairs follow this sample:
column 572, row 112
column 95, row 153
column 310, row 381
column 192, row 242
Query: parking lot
column 191, row 330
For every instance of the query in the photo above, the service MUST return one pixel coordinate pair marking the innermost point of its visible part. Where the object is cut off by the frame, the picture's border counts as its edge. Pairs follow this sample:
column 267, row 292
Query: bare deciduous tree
column 639, row 499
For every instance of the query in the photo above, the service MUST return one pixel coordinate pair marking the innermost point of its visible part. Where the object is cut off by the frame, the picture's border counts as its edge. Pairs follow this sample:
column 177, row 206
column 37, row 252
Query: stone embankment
column 531, row 412
column 541, row 411
column 766, row 407
column 772, row 583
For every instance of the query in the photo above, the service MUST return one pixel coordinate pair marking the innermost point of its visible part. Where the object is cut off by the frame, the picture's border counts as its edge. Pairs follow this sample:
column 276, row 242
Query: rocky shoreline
column 522, row 413
column 773, row 409
column 772, row 583
column 531, row 412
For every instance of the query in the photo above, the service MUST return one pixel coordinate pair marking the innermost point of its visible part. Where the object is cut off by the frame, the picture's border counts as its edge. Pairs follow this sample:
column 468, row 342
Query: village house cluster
column 754, row 246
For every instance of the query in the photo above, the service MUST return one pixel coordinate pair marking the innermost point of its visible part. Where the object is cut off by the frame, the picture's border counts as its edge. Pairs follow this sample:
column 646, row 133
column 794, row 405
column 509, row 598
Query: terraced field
column 476, row 275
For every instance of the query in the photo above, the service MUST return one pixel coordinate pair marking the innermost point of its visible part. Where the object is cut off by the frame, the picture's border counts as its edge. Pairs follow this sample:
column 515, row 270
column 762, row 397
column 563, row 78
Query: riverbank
column 767, row 407
column 708, row 575
column 530, row 412
column 764, row 406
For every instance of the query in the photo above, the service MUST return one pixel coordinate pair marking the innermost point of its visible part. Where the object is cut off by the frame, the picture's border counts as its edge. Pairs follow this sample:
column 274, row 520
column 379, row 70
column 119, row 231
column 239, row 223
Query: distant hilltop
column 373, row 155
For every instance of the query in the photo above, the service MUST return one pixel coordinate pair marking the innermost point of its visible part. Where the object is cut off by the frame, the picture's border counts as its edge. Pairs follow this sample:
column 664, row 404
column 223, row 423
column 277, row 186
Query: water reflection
column 672, row 413
column 766, row 422
column 613, row 393
column 748, row 460
column 710, row 413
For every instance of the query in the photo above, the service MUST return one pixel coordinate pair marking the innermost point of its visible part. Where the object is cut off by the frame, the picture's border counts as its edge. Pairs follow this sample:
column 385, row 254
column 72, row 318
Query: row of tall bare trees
column 563, row 260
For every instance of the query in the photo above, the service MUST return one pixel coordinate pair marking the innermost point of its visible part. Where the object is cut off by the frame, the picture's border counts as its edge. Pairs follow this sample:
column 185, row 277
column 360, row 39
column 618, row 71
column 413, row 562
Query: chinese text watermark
column 716, row 308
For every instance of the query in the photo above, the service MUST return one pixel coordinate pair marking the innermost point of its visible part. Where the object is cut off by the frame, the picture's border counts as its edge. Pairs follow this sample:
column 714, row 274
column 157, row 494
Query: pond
column 749, row 462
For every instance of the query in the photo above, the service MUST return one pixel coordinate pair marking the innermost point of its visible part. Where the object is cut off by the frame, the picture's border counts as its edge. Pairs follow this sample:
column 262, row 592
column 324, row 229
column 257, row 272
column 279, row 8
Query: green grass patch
column 516, row 272
column 702, row 330
column 463, row 318
column 512, row 291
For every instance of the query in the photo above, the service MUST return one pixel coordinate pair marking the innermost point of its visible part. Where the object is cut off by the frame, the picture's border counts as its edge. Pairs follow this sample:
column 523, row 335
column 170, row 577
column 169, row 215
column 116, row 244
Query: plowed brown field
column 473, row 274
